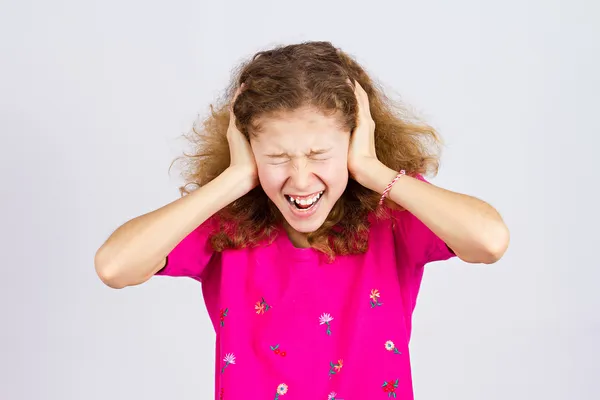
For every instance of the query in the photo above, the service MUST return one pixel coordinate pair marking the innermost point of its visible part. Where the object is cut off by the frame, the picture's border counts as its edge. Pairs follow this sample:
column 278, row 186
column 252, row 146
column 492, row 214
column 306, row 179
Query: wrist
column 374, row 175
column 239, row 181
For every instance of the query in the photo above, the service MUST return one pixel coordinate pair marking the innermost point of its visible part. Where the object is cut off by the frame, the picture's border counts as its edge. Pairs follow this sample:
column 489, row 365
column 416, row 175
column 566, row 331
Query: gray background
column 95, row 95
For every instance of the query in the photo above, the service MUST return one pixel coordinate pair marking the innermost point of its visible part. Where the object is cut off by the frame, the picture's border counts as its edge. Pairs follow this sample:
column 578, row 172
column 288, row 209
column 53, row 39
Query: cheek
column 271, row 179
column 334, row 174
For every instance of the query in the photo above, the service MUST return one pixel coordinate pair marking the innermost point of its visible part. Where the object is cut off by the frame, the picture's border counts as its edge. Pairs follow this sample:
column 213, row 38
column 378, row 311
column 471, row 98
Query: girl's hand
column 361, row 154
column 242, row 158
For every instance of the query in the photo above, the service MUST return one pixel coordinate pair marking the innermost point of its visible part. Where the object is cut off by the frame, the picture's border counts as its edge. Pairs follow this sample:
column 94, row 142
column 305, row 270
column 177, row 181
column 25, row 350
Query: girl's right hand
column 138, row 249
column 242, row 158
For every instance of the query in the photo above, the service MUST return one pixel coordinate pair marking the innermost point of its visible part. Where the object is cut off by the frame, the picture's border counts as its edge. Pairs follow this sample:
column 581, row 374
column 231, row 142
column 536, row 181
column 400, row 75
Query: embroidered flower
column 276, row 350
column 335, row 368
column 375, row 298
column 338, row 366
column 281, row 390
column 325, row 319
column 229, row 359
column 333, row 396
column 261, row 306
column 390, row 346
column 222, row 316
column 390, row 388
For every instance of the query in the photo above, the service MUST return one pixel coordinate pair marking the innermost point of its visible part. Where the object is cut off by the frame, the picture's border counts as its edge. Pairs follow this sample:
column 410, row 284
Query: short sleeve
column 191, row 256
column 415, row 238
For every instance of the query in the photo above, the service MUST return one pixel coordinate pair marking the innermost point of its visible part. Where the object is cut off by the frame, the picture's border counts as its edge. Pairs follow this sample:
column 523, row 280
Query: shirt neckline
column 288, row 250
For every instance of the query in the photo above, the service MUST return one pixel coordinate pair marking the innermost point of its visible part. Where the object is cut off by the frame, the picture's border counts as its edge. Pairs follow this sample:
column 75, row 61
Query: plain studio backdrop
column 94, row 98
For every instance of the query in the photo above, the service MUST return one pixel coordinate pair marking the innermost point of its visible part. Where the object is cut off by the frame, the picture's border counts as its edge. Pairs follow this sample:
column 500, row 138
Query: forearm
column 473, row 229
column 137, row 249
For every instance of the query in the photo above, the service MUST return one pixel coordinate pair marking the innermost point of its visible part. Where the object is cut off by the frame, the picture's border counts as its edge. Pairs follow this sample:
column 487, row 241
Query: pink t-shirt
column 291, row 326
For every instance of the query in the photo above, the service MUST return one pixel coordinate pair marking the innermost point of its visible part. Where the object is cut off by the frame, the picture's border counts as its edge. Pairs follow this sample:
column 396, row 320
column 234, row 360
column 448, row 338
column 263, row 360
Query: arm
column 138, row 249
column 472, row 228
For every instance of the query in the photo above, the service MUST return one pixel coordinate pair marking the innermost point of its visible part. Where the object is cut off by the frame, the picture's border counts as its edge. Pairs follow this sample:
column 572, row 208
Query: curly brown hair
column 287, row 78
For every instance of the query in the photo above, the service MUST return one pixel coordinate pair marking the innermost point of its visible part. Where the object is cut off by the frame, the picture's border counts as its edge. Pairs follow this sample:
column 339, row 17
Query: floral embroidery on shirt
column 281, row 390
column 333, row 396
column 223, row 315
column 276, row 350
column 390, row 346
column 335, row 368
column 261, row 306
column 325, row 319
column 229, row 359
column 390, row 388
column 375, row 298
column 221, row 394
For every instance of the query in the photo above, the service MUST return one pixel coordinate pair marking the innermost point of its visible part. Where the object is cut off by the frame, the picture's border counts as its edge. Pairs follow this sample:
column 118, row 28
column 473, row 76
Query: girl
column 309, row 231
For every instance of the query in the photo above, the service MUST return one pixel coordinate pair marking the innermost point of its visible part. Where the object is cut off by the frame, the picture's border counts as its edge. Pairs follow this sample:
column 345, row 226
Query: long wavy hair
column 287, row 78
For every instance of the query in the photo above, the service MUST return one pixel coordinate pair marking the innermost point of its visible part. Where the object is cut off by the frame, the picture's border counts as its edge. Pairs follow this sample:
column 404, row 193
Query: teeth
column 306, row 202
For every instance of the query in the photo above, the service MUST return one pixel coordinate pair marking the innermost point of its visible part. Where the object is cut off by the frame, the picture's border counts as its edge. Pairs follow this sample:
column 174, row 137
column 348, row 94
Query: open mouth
column 305, row 203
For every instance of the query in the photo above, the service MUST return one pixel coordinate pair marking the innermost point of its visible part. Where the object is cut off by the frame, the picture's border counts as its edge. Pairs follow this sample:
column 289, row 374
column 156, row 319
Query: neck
column 298, row 239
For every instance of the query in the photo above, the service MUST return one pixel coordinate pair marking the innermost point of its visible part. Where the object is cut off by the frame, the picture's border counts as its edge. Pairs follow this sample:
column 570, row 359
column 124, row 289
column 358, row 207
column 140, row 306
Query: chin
column 305, row 226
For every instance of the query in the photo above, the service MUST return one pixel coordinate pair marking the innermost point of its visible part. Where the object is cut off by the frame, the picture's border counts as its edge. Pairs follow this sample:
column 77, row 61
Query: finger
column 357, row 85
column 362, row 97
column 238, row 91
column 231, row 114
column 359, row 89
column 235, row 96
column 364, row 110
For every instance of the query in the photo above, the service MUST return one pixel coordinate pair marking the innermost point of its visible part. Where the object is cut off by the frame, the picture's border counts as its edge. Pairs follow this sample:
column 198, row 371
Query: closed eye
column 320, row 155
column 278, row 162
column 277, row 159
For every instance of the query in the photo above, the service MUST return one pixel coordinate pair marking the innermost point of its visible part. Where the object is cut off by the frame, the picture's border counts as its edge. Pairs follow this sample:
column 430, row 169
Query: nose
column 300, row 175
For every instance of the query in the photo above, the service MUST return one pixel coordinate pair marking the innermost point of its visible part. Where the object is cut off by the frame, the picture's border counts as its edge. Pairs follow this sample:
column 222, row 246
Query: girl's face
column 302, row 160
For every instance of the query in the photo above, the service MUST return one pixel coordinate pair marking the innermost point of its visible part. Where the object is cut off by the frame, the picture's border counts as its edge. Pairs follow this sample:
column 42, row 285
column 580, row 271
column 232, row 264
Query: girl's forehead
column 303, row 128
column 302, row 119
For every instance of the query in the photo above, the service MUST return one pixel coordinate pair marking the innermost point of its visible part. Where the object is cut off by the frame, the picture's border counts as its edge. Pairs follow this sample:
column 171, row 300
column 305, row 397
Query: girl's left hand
column 361, row 153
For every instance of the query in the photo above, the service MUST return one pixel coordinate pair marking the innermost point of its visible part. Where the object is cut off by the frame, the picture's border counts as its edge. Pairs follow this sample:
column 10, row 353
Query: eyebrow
column 315, row 152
